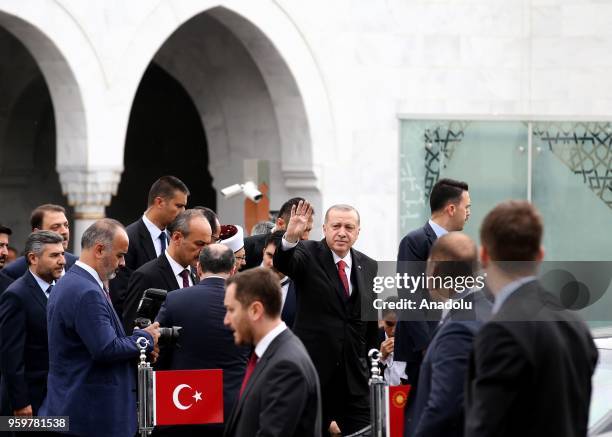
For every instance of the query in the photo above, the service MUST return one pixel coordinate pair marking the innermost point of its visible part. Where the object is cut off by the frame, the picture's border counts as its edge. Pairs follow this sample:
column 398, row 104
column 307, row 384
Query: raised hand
column 299, row 221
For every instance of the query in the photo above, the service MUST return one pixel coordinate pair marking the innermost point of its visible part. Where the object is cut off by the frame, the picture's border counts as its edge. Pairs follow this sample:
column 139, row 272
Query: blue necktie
column 162, row 238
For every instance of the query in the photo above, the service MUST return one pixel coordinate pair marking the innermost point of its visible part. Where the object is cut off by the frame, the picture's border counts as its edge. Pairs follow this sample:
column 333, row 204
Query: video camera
column 148, row 308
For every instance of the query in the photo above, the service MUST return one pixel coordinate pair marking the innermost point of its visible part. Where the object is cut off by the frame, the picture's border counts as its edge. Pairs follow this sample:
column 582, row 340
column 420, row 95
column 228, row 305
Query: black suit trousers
column 350, row 412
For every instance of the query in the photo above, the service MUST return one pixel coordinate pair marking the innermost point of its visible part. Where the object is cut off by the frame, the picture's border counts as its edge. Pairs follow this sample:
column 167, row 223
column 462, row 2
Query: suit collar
column 259, row 368
column 430, row 233
column 167, row 273
column 77, row 269
column 145, row 239
column 35, row 289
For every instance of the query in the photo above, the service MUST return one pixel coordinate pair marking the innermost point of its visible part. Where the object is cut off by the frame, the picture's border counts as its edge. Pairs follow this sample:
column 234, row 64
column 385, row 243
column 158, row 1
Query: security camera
column 231, row 191
column 249, row 189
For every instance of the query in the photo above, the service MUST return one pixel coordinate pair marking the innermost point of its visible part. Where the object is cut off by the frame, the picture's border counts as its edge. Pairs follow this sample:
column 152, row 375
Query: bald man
column 437, row 409
column 206, row 343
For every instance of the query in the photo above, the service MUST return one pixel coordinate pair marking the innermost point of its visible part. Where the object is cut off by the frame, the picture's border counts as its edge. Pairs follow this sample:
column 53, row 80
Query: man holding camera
column 205, row 343
column 91, row 377
column 189, row 233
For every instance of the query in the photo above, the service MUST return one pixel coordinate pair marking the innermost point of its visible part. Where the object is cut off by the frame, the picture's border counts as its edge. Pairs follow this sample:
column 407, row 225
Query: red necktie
column 185, row 276
column 249, row 370
column 343, row 278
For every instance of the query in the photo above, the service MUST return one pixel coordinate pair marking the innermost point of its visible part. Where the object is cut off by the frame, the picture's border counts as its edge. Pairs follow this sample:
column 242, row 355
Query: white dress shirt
column 263, row 344
column 177, row 269
column 92, row 272
column 286, row 245
column 438, row 230
column 44, row 285
column 395, row 370
column 154, row 231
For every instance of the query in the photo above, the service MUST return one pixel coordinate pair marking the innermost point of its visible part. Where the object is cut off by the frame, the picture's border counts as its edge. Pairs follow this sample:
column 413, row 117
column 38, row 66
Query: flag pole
column 146, row 419
column 378, row 397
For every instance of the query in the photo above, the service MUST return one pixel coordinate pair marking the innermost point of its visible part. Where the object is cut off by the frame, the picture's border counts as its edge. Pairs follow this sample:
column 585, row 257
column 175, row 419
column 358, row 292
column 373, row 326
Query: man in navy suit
column 437, row 408
column 189, row 233
column 5, row 280
column 273, row 240
column 148, row 235
column 449, row 201
column 205, row 343
column 46, row 217
column 24, row 356
column 91, row 360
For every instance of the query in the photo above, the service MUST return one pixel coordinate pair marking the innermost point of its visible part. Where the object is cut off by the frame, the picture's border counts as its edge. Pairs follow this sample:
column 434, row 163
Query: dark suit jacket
column 91, row 361
column 530, row 378
column 24, row 355
column 290, row 306
column 5, row 281
column 205, row 343
column 329, row 325
column 156, row 273
column 253, row 247
column 17, row 268
column 282, row 396
column 140, row 251
column 412, row 336
column 437, row 409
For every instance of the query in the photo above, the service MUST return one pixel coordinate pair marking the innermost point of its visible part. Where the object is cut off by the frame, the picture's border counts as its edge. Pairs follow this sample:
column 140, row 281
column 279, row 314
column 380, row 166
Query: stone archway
column 256, row 86
column 27, row 139
column 165, row 136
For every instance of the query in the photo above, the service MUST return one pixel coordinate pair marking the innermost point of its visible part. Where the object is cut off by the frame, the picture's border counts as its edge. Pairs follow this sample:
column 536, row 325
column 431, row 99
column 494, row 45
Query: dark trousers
column 351, row 412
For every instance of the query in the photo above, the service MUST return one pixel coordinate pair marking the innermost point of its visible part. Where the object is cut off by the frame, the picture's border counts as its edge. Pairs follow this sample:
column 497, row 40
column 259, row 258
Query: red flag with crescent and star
column 188, row 397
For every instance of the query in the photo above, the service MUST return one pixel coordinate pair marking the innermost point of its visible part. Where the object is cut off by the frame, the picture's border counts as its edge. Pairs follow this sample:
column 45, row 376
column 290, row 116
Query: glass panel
column 572, row 189
column 490, row 156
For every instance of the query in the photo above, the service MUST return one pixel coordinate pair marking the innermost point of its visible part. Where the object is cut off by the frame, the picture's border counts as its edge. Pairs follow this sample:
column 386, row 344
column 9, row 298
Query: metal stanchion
column 378, row 397
column 145, row 391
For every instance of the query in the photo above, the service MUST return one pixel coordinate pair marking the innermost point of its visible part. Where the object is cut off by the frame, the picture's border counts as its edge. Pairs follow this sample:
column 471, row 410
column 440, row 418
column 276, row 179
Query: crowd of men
column 283, row 317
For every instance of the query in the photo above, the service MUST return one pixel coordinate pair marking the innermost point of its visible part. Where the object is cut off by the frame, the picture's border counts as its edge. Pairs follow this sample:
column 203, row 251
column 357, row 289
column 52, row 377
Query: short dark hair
column 182, row 222
column 512, row 231
column 209, row 215
column 216, row 259
column 36, row 242
column 37, row 216
column 454, row 255
column 446, row 191
column 5, row 230
column 258, row 284
column 102, row 231
column 274, row 238
column 165, row 187
column 285, row 209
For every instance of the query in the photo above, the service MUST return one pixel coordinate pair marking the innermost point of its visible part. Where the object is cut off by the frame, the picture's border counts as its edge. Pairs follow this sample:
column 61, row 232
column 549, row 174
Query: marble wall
column 336, row 77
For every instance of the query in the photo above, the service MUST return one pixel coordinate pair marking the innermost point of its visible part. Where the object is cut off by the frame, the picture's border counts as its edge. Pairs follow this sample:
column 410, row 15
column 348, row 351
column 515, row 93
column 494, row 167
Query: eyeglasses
column 390, row 324
column 241, row 258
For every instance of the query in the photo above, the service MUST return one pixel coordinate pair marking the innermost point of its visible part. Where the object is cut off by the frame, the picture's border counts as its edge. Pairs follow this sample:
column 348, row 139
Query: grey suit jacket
column 282, row 396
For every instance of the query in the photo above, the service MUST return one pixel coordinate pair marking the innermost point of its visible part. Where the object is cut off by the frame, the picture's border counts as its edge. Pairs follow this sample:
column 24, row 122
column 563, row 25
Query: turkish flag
column 188, row 397
column 397, row 397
